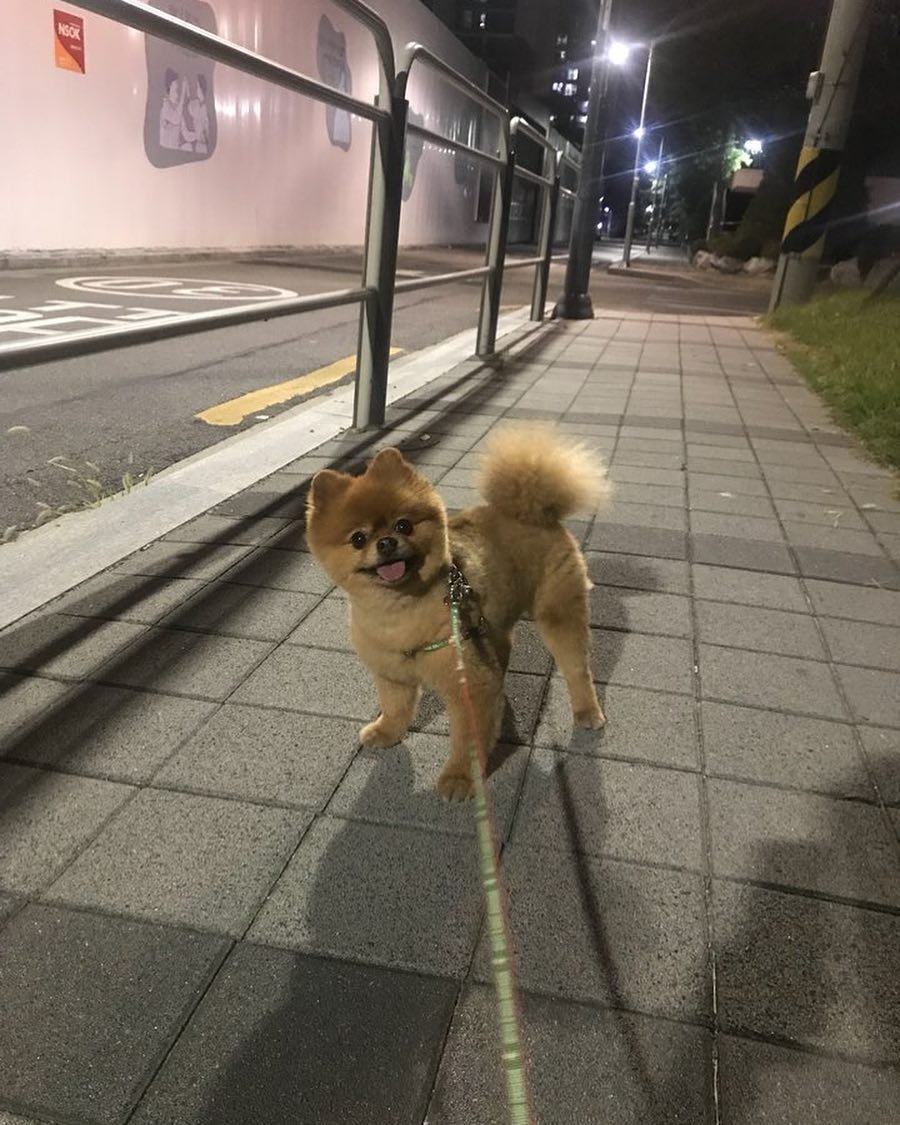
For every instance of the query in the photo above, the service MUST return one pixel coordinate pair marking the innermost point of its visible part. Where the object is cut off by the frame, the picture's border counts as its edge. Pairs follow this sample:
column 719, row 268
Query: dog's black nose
column 387, row 546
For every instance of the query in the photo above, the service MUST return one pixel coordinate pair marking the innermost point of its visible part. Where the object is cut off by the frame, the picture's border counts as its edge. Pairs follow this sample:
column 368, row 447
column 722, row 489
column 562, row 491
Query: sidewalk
column 218, row 909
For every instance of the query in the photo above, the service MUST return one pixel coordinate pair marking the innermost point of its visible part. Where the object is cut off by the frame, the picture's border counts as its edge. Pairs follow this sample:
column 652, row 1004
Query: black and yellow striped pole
column 831, row 90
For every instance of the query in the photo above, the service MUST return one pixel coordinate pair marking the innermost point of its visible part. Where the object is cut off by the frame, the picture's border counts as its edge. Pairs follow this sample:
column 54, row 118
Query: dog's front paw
column 591, row 717
column 454, row 786
column 378, row 736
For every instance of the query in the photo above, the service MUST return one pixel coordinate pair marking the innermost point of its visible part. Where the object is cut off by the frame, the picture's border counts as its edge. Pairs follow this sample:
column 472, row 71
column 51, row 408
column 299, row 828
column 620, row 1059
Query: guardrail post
column 380, row 266
column 498, row 229
column 550, row 200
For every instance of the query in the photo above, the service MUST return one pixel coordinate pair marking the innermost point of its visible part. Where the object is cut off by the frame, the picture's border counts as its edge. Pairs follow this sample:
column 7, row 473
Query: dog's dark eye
column 403, row 527
column 358, row 540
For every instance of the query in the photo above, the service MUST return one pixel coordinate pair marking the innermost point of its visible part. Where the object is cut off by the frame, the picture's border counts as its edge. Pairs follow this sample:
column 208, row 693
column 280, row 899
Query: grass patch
column 848, row 350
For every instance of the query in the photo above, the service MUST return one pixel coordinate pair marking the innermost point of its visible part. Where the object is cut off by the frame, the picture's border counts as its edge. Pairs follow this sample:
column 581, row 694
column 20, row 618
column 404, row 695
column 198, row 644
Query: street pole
column 632, row 202
column 575, row 302
column 832, row 91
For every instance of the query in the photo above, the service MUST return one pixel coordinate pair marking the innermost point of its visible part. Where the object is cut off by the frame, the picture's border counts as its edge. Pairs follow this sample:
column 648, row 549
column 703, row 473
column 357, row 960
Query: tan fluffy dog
column 385, row 538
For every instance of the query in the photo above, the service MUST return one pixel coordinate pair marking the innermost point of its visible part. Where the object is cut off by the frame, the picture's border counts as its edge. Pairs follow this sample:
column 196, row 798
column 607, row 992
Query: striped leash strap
column 498, row 930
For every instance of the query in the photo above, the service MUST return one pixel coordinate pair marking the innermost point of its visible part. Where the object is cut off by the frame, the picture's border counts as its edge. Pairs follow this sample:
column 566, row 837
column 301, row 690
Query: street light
column 618, row 53
column 651, row 167
column 753, row 147
column 639, row 133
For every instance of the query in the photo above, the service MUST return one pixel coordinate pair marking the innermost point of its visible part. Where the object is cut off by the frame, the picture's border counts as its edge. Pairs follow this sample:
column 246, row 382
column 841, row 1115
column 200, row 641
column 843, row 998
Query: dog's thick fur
column 514, row 552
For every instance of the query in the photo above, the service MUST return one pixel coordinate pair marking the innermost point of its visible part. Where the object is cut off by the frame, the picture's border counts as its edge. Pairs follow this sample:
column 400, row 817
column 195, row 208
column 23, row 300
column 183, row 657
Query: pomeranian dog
column 386, row 539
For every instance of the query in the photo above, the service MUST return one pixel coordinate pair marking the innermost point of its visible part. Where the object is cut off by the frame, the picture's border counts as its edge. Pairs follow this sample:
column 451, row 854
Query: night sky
column 744, row 64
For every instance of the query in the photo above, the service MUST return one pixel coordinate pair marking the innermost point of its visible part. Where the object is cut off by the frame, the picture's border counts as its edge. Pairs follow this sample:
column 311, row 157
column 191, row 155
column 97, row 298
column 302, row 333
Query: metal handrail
column 141, row 17
column 413, row 51
column 376, row 293
column 457, row 146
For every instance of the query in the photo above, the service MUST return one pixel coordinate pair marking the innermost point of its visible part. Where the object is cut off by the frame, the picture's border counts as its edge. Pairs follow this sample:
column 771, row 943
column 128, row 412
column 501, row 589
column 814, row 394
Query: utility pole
column 831, row 91
column 575, row 302
column 635, row 180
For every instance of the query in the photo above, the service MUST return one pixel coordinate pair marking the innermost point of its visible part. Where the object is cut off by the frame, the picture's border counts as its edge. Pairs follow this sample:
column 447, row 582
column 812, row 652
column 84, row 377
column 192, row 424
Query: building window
column 562, row 40
column 569, row 89
column 572, row 74
column 557, row 87
column 482, row 20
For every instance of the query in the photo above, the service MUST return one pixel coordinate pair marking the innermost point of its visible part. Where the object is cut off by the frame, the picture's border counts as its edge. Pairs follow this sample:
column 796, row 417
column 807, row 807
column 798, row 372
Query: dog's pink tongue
column 392, row 572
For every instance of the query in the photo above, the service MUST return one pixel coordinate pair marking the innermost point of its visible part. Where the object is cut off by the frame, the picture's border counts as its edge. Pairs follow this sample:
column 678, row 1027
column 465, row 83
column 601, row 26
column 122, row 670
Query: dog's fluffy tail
column 535, row 475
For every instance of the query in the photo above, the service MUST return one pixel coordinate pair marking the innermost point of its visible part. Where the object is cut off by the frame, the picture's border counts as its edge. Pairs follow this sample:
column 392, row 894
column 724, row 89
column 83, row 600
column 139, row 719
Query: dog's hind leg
column 563, row 620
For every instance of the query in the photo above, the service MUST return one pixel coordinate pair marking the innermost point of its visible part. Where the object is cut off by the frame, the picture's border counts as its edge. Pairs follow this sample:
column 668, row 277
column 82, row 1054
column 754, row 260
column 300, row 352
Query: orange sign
column 68, row 41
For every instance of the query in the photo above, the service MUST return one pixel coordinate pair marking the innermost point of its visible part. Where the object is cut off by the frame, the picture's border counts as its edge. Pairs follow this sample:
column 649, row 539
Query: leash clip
column 458, row 588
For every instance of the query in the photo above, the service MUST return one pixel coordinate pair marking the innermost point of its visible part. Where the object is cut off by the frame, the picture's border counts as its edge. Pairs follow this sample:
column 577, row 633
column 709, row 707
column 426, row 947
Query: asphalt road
column 135, row 410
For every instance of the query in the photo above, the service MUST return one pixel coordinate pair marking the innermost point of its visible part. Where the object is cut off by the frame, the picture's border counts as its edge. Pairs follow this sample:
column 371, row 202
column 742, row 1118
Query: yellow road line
column 237, row 409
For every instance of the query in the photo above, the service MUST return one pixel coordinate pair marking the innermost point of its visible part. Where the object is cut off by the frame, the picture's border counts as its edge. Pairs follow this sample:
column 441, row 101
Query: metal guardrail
column 389, row 119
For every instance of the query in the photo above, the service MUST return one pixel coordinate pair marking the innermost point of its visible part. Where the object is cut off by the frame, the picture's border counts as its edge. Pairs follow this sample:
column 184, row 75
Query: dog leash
column 498, row 930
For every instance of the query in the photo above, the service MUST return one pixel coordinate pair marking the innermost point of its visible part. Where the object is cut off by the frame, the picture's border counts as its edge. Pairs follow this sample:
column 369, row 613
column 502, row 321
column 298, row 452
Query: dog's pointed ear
column 326, row 486
column 390, row 464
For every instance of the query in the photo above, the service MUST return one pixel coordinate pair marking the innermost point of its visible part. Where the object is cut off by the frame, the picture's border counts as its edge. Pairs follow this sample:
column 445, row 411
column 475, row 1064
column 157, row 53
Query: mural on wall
column 334, row 71
column 180, row 116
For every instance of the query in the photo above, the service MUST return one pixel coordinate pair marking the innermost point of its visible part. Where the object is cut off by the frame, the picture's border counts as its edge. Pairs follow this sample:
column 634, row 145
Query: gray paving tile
column 832, row 538
column 801, row 474
column 383, row 895
column 827, row 513
column 767, row 680
column 766, row 630
column 725, row 584
column 529, row 653
column 874, row 697
column 260, row 503
column 674, row 462
column 882, row 748
column 7, row 905
column 64, row 646
column 719, row 550
column 697, row 463
column 25, row 704
column 735, row 527
column 128, row 597
column 768, row 746
column 634, row 474
column 819, row 495
column 257, row 754
column 253, row 1052
column 664, row 575
column 324, row 683
column 852, row 642
column 231, row 610
column 181, row 662
column 670, row 495
column 656, row 542
column 327, row 626
column 610, row 808
column 657, row 516
column 706, row 483
column 862, row 858
column 861, row 570
column 181, row 560
column 281, row 569
column 646, row 726
column 641, row 660
column 604, row 930
column 765, row 1082
column 107, row 732
column 641, row 1069
column 225, row 529
column 641, row 611
column 816, row 973
column 90, row 1005
column 729, row 503
column 173, row 857
column 46, row 818
column 397, row 786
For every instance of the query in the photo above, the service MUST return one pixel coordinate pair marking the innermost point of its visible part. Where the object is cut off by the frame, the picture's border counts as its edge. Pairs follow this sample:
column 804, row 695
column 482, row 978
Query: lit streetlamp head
column 753, row 147
column 639, row 132
column 651, row 167
column 618, row 53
